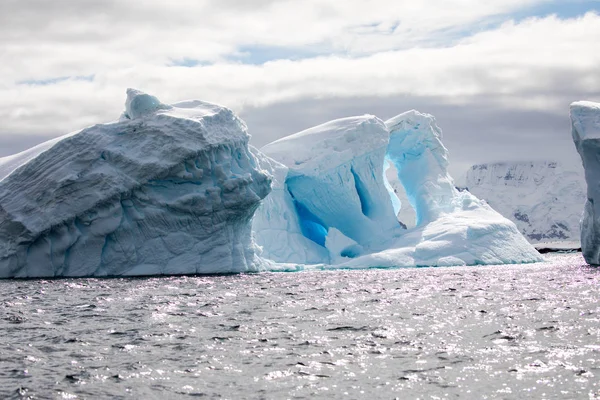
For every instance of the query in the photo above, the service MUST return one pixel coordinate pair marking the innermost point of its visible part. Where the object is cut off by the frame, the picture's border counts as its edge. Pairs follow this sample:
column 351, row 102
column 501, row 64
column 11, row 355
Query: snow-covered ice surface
column 585, row 123
column 499, row 332
column 542, row 198
column 335, row 182
column 167, row 189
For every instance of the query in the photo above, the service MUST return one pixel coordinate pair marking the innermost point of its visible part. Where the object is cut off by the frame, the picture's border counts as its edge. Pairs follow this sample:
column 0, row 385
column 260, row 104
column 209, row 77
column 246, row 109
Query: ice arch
column 421, row 162
column 330, row 179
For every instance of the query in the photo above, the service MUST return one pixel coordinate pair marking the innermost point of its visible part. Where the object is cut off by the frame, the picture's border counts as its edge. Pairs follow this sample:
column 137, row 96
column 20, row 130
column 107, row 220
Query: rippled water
column 528, row 331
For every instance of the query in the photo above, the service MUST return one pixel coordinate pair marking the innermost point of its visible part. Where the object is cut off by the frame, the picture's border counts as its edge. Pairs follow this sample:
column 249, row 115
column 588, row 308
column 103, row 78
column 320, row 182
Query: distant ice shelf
column 544, row 199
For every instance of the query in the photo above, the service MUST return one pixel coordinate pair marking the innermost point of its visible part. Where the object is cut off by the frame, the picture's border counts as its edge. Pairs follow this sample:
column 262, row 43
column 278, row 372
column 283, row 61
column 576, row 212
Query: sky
column 498, row 75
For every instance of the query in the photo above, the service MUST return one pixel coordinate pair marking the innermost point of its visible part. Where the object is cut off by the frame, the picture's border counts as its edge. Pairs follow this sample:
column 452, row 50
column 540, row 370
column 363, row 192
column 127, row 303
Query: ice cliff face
column 542, row 198
column 585, row 123
column 331, row 189
column 168, row 189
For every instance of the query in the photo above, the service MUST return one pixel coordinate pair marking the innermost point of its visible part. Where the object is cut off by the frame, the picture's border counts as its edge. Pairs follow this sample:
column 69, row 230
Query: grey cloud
column 12, row 144
column 477, row 132
column 491, row 127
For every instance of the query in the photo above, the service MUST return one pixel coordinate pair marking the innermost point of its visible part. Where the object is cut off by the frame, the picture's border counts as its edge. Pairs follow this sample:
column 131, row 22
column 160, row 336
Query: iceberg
column 166, row 189
column 176, row 189
column 335, row 193
column 452, row 227
column 585, row 124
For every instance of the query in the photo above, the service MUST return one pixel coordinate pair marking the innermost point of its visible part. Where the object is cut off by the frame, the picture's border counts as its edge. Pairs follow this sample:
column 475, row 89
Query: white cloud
column 46, row 39
column 374, row 49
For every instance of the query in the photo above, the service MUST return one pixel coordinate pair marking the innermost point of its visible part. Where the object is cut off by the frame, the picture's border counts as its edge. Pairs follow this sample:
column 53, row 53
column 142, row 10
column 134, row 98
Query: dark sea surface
column 500, row 332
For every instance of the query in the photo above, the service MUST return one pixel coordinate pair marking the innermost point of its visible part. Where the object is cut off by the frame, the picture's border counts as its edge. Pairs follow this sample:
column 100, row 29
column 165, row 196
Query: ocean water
column 498, row 332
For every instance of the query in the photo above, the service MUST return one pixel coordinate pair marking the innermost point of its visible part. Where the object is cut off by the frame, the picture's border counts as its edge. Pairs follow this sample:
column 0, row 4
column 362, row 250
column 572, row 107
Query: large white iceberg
column 336, row 187
column 168, row 189
column 173, row 189
column 585, row 123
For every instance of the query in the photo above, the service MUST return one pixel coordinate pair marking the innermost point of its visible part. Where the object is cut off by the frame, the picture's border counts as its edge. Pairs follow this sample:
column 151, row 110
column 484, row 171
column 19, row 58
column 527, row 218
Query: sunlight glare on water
column 512, row 331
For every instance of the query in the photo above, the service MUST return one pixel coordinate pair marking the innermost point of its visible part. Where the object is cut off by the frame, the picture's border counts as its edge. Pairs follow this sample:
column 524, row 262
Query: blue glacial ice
column 167, row 189
column 277, row 227
column 421, row 162
column 585, row 128
column 331, row 189
column 329, row 177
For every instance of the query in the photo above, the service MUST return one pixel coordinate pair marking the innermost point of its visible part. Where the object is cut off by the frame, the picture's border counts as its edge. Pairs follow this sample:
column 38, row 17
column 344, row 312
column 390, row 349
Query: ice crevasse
column 166, row 189
column 331, row 202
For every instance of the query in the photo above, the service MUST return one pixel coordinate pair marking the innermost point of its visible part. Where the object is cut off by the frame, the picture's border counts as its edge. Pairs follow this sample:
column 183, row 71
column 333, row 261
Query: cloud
column 458, row 56
column 479, row 133
column 59, row 38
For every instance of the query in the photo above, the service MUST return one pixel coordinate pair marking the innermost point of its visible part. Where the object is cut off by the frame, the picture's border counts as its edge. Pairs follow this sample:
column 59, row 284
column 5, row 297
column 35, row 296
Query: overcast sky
column 498, row 75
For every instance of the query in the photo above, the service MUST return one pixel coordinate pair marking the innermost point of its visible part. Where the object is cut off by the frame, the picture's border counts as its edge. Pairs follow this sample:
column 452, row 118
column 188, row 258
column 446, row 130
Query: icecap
column 168, row 189
column 334, row 180
column 585, row 123
column 542, row 198
column 341, row 202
